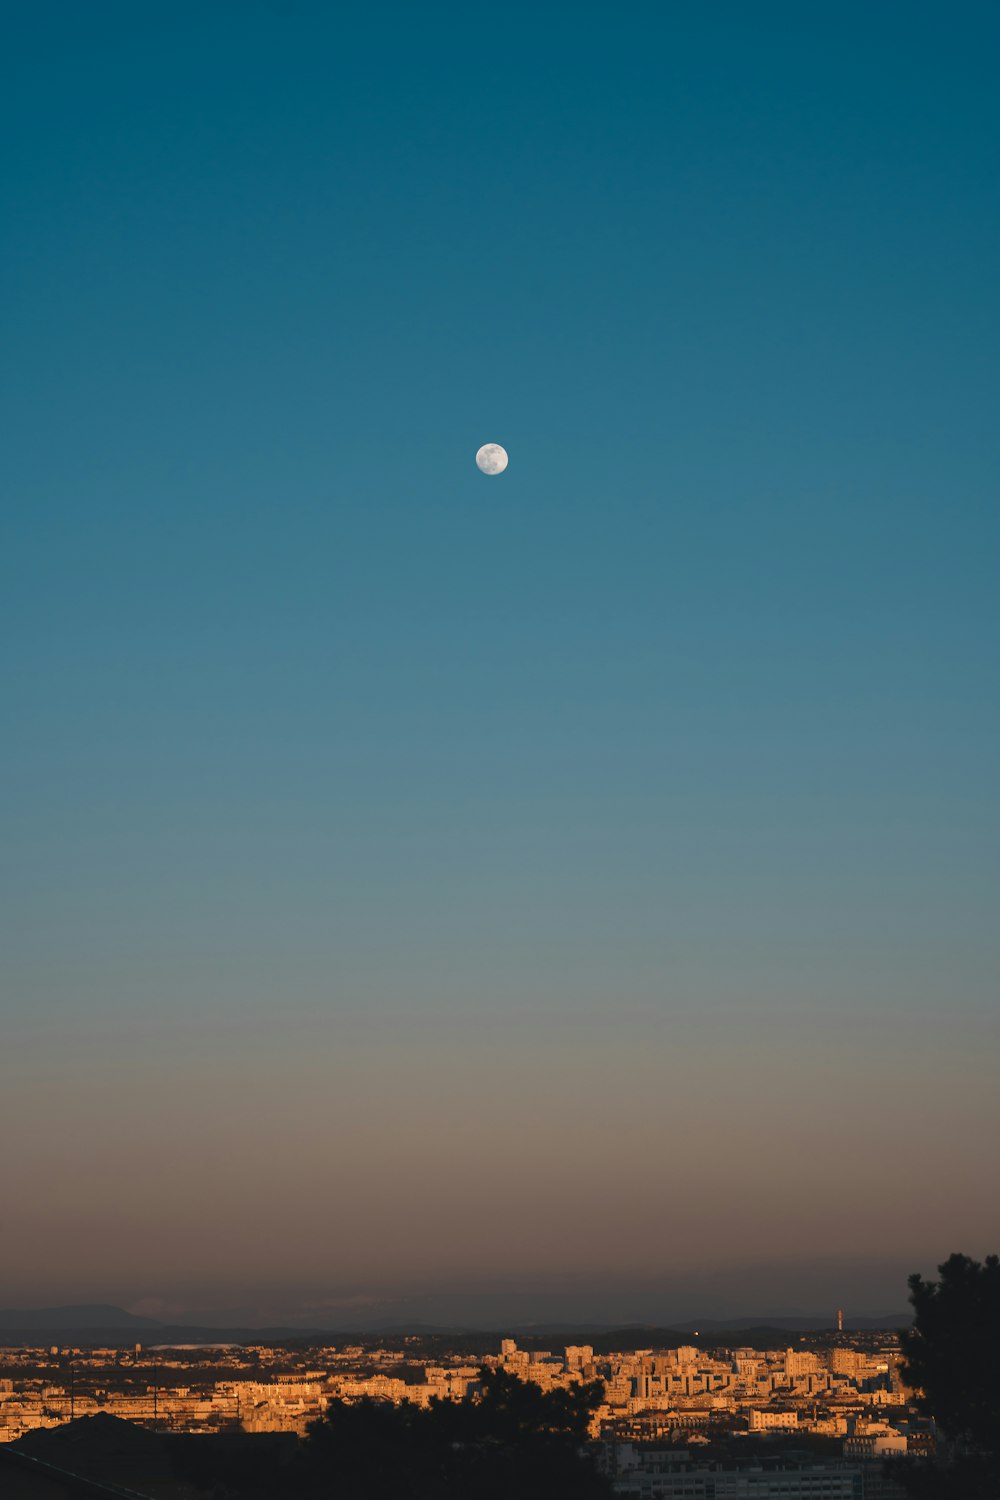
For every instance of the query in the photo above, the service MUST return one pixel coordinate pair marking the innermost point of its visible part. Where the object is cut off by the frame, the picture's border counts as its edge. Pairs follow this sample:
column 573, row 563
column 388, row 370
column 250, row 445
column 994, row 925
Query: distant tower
column 840, row 1320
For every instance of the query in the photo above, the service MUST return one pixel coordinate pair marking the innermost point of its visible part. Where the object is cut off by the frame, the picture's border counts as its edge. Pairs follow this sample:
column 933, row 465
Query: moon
column 491, row 459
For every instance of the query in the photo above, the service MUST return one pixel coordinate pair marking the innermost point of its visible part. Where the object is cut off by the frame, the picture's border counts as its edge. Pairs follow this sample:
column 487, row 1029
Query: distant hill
column 86, row 1315
column 90, row 1325
column 794, row 1325
column 87, row 1325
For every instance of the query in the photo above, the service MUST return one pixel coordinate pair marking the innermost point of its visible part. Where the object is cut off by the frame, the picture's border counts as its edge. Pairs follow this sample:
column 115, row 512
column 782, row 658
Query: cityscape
column 823, row 1414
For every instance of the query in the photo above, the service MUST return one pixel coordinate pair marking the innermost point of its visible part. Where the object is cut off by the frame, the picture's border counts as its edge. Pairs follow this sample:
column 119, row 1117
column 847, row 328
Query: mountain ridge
column 74, row 1315
column 100, row 1323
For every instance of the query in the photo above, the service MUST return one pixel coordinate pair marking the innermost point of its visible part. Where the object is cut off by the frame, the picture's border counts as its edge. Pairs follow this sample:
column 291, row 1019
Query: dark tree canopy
column 951, row 1353
column 509, row 1441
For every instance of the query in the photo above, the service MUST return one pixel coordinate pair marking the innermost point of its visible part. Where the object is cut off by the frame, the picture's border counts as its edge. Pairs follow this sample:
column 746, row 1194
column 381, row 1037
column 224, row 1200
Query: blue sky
column 689, row 716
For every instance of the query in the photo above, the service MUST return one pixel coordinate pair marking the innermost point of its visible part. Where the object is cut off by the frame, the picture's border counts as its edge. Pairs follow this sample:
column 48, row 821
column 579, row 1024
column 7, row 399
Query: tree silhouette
column 950, row 1359
column 951, row 1352
column 507, row 1441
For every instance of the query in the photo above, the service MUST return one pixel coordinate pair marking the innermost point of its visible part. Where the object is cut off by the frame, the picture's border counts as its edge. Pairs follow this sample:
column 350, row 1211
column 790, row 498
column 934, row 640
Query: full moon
column 491, row 458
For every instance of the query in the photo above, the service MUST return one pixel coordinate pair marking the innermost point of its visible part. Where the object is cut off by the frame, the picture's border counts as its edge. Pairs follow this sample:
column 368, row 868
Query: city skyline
column 570, row 888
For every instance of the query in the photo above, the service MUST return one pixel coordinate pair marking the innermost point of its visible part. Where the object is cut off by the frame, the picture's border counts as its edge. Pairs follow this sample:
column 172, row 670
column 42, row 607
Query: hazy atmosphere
column 568, row 891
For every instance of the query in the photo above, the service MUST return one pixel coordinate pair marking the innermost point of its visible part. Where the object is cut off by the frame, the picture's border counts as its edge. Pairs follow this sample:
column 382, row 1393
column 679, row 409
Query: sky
column 569, row 890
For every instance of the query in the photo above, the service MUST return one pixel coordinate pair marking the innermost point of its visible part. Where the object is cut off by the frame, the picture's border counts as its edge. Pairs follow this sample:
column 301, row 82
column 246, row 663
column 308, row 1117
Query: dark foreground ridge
column 93, row 1456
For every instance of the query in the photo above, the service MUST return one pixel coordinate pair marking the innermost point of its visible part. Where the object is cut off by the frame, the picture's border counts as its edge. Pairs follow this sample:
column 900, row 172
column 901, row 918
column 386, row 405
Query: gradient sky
column 580, row 883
